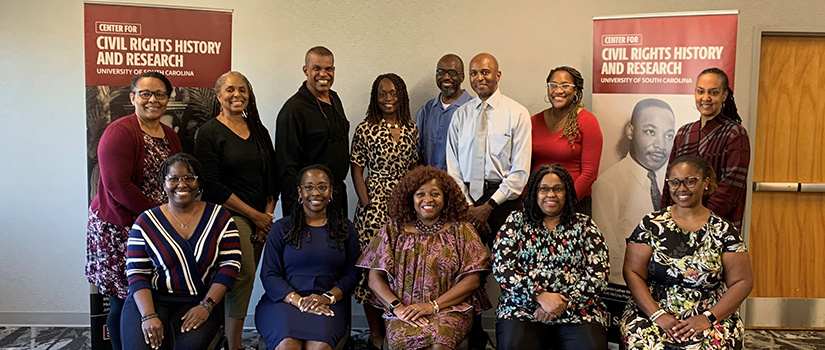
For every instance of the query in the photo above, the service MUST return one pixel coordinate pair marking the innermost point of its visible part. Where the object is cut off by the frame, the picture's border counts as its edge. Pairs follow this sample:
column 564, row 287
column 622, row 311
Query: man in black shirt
column 312, row 129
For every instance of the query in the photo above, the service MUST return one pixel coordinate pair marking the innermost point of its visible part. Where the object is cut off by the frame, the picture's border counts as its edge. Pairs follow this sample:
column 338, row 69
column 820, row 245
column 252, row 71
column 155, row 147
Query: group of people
column 473, row 185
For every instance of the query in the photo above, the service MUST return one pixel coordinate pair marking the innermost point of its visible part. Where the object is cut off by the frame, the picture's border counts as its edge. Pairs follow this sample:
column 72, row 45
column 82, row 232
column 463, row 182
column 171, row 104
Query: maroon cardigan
column 120, row 154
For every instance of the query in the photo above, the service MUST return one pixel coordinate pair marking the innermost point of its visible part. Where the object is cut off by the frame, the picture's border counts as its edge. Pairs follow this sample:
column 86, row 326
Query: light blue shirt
column 433, row 121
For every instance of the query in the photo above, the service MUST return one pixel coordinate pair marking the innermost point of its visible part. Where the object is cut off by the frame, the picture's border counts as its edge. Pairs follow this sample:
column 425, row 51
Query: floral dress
column 571, row 260
column 685, row 277
column 420, row 268
column 106, row 242
column 388, row 160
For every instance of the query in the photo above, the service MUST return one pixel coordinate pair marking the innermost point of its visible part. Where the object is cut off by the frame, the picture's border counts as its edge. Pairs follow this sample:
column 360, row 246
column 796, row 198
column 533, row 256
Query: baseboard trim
column 45, row 319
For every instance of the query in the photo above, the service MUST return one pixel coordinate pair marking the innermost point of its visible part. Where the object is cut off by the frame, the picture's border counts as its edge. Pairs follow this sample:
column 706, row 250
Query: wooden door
column 787, row 230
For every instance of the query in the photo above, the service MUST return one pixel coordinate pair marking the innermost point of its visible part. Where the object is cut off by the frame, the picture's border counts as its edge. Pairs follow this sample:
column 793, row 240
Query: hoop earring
column 547, row 98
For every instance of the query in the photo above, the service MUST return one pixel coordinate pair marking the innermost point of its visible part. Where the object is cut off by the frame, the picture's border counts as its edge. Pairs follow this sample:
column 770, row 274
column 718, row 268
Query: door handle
column 761, row 186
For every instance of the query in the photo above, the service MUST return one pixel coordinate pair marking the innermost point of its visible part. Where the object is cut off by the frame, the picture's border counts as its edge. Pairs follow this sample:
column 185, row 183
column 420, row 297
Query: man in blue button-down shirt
column 435, row 116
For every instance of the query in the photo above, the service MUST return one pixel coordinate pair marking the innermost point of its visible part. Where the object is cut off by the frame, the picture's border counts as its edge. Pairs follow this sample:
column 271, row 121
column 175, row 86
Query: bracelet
column 206, row 306
column 435, row 306
column 148, row 317
column 710, row 316
column 209, row 301
column 394, row 305
column 656, row 315
column 331, row 297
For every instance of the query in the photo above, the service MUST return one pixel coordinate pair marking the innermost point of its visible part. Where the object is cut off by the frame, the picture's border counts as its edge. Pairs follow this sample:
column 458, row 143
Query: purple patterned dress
column 422, row 267
column 106, row 242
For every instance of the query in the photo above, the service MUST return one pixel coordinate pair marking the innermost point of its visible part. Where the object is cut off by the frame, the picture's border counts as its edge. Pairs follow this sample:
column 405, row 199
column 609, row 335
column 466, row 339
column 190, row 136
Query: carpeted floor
column 78, row 338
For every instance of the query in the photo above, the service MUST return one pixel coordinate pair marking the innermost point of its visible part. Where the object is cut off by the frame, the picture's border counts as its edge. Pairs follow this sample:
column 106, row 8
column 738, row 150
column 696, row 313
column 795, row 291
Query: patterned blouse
column 685, row 277
column 571, row 260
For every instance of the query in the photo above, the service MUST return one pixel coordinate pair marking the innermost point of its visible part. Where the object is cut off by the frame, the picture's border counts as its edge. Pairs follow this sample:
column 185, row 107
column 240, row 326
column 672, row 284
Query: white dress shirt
column 621, row 197
column 509, row 145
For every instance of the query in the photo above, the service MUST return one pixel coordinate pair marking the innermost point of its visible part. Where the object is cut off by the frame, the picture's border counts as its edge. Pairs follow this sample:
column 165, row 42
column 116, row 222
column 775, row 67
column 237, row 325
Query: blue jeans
column 170, row 314
column 113, row 321
column 515, row 334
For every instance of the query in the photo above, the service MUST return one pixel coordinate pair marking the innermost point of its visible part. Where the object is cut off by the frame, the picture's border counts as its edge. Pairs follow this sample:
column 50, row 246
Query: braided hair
column 336, row 218
column 256, row 128
column 729, row 109
column 571, row 202
column 374, row 111
column 571, row 124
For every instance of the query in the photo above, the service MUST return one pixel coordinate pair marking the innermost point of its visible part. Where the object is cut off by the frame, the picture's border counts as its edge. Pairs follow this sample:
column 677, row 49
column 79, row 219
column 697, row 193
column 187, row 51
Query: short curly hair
column 400, row 205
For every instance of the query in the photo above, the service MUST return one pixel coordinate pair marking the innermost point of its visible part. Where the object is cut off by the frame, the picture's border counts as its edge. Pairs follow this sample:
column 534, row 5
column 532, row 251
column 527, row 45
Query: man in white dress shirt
column 488, row 152
column 632, row 188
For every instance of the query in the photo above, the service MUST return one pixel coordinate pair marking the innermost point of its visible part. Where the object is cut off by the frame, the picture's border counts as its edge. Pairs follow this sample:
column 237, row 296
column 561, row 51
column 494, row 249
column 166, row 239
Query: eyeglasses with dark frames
column 147, row 94
column 689, row 182
column 451, row 72
column 188, row 179
column 543, row 190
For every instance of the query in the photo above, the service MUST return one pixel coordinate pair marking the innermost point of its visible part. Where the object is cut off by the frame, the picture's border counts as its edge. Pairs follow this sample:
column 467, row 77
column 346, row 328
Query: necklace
column 427, row 230
column 182, row 224
column 391, row 125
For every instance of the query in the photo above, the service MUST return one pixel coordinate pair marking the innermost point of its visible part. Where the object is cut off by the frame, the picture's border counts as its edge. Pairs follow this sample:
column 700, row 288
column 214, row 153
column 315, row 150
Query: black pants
column 515, row 334
column 499, row 214
column 113, row 321
column 170, row 314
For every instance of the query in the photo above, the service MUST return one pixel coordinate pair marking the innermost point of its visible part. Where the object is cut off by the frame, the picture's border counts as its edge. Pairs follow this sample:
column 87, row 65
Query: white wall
column 43, row 142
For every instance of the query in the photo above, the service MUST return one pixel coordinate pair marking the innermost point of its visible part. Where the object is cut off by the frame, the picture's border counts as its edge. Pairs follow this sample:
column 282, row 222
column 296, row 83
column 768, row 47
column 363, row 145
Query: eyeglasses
column 452, row 73
column 188, row 179
column 147, row 94
column 689, row 182
column 565, row 86
column 311, row 188
column 543, row 190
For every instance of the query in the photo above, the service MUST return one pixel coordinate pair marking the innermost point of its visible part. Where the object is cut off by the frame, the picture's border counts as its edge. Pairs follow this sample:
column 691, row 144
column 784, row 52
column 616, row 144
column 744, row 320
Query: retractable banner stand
column 190, row 46
column 646, row 66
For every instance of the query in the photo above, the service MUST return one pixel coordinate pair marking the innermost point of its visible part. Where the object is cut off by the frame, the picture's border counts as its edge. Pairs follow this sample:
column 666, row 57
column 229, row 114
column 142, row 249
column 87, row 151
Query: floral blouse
column 571, row 260
column 685, row 277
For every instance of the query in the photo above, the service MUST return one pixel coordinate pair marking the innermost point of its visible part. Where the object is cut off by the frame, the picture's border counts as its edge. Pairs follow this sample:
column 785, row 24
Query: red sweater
column 581, row 160
column 120, row 154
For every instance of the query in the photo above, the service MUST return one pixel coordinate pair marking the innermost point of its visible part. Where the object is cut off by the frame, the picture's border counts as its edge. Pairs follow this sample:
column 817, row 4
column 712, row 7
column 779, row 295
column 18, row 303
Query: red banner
column 660, row 55
column 185, row 45
column 646, row 65
column 191, row 47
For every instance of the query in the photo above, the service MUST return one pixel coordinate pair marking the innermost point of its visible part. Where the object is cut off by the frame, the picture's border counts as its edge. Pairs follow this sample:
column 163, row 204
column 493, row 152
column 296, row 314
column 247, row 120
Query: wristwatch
column 492, row 203
column 711, row 317
column 394, row 305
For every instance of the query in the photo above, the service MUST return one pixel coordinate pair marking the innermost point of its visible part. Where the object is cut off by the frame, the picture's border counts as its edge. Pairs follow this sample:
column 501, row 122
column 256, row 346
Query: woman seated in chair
column 552, row 265
column 308, row 269
column 178, row 268
column 427, row 263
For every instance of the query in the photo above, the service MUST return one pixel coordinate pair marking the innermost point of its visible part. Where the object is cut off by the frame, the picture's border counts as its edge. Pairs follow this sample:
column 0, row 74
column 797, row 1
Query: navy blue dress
column 314, row 268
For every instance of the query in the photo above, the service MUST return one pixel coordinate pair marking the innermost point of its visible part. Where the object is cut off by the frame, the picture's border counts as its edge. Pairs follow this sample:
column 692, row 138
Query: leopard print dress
column 374, row 148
